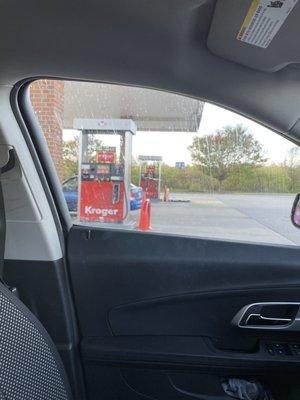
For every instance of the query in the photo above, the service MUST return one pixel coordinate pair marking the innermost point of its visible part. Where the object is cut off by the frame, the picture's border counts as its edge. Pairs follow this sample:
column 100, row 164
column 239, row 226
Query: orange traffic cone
column 166, row 193
column 145, row 214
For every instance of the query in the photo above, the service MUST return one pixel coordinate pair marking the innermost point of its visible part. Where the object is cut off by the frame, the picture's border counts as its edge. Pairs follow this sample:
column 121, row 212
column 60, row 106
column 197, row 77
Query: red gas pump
column 104, row 190
column 150, row 175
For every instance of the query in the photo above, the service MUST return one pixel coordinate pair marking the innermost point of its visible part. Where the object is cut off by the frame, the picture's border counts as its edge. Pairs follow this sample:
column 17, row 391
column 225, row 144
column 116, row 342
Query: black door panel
column 197, row 353
column 148, row 301
column 156, row 384
column 198, row 314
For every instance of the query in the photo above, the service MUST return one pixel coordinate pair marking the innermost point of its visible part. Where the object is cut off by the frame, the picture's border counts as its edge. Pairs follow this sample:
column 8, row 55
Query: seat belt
column 10, row 165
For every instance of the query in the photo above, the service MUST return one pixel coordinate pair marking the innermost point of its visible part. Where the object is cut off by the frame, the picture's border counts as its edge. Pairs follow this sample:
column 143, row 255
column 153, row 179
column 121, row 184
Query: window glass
column 142, row 159
column 71, row 184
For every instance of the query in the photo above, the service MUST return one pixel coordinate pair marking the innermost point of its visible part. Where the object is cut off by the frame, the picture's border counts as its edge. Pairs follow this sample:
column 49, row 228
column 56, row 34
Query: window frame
column 24, row 114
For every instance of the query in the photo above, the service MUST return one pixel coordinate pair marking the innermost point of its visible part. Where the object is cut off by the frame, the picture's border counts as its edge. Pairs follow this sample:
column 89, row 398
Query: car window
column 149, row 160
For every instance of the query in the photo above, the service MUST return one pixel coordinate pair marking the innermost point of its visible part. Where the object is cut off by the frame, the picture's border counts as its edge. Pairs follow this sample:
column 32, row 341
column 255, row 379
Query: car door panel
column 166, row 303
column 197, row 314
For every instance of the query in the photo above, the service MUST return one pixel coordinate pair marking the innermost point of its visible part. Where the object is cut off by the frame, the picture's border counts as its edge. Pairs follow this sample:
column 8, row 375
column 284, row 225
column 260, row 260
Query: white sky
column 172, row 146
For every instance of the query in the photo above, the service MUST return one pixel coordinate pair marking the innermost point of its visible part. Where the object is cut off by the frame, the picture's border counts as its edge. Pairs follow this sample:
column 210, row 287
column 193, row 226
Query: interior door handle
column 269, row 315
column 260, row 320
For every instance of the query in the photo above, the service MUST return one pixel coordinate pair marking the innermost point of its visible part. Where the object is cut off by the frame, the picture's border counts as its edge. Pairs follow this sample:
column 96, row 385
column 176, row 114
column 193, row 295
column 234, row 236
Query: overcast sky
column 173, row 146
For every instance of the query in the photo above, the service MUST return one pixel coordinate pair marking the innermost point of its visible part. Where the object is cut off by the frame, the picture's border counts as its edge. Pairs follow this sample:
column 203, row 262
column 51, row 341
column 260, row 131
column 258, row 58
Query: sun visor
column 261, row 34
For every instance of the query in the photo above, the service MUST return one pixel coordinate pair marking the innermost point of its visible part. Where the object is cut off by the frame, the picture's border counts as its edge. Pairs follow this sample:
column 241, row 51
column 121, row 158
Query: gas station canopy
column 105, row 125
column 151, row 110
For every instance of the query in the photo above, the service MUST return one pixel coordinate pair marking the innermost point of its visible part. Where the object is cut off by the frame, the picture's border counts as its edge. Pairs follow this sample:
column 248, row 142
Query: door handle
column 260, row 320
column 269, row 315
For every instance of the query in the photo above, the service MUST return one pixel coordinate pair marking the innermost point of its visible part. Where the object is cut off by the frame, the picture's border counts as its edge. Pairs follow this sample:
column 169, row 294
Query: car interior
column 93, row 312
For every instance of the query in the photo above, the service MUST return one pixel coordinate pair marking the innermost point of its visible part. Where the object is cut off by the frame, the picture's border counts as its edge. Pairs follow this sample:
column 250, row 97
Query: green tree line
column 265, row 179
column 230, row 160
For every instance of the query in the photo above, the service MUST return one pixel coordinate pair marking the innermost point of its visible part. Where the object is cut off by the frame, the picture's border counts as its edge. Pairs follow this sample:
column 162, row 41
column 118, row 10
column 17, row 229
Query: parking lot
column 255, row 218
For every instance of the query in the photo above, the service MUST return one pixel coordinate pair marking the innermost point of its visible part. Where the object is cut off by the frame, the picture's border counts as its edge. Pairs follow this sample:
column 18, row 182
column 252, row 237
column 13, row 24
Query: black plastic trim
column 185, row 352
column 11, row 162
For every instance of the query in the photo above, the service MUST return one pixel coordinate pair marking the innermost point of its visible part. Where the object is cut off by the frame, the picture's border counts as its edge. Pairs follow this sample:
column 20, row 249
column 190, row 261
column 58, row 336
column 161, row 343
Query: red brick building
column 47, row 97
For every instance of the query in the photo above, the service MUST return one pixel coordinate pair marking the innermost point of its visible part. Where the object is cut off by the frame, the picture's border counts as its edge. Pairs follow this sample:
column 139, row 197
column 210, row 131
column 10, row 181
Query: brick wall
column 47, row 98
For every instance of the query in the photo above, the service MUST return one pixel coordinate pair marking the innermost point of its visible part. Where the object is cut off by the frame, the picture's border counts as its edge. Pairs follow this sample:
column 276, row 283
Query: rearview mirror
column 295, row 216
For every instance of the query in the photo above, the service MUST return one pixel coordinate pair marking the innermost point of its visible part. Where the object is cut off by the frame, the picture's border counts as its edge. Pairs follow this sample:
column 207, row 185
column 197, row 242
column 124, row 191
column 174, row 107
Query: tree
column 228, row 148
column 292, row 165
column 70, row 157
column 189, row 179
column 71, row 154
column 135, row 172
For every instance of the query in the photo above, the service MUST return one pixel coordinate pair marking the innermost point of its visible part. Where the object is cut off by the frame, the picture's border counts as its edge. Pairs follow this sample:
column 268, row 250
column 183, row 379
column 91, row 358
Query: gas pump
column 150, row 175
column 105, row 177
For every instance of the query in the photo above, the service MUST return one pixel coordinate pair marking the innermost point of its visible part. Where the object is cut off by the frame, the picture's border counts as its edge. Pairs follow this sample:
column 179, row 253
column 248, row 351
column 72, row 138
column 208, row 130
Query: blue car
column 70, row 190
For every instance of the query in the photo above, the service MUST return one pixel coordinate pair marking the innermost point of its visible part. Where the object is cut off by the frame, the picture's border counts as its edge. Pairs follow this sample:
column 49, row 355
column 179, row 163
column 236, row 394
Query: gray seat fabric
column 30, row 366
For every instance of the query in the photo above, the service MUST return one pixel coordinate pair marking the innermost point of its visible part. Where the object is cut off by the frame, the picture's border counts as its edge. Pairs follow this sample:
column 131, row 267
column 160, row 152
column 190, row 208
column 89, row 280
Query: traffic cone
column 166, row 193
column 145, row 214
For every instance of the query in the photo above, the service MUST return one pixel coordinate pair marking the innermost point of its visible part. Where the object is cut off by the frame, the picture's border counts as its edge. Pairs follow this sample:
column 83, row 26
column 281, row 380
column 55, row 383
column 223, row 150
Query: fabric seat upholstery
column 30, row 366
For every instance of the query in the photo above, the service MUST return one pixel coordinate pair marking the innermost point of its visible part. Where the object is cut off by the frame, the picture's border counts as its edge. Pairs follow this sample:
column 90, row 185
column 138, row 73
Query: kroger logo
column 103, row 212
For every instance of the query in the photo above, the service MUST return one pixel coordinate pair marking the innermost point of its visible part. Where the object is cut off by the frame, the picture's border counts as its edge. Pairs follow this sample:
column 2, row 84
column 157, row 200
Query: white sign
column 263, row 21
column 89, row 210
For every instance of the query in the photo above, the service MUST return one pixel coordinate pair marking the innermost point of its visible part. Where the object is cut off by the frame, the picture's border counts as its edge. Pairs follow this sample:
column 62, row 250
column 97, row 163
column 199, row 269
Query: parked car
column 70, row 190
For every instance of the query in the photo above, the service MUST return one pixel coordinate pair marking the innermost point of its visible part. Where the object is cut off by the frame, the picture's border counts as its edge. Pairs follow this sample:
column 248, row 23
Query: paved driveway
column 255, row 218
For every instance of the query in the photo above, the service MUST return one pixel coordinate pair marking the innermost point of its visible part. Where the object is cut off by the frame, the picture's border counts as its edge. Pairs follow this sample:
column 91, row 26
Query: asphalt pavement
column 252, row 218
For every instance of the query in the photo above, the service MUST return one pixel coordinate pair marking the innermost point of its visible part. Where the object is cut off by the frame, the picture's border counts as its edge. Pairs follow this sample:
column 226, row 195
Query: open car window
column 143, row 159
